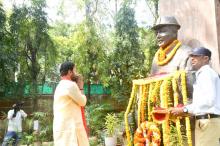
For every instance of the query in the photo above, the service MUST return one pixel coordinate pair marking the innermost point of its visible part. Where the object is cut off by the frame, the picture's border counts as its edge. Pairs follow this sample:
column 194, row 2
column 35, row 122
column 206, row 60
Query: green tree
column 127, row 60
column 7, row 55
column 148, row 44
column 62, row 35
column 29, row 28
column 89, row 54
column 153, row 5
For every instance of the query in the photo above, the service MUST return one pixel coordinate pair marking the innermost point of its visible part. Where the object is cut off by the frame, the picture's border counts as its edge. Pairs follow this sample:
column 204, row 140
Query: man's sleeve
column 76, row 94
column 10, row 114
column 23, row 114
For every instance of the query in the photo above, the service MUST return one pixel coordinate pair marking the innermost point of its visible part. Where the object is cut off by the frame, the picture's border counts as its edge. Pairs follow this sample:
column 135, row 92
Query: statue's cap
column 166, row 21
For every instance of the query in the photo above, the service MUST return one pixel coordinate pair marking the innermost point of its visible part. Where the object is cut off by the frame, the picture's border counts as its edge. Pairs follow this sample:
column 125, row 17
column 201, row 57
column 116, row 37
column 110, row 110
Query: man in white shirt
column 206, row 100
column 14, row 125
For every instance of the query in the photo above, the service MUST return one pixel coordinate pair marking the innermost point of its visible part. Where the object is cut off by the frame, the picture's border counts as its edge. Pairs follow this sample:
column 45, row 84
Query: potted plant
column 111, row 124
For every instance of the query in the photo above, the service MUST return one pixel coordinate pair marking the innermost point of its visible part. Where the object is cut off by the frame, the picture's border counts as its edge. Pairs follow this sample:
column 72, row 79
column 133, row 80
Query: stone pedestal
column 200, row 23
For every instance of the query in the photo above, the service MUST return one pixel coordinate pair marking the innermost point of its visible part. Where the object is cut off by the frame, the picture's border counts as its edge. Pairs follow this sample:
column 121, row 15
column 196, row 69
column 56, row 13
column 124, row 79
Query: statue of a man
column 172, row 54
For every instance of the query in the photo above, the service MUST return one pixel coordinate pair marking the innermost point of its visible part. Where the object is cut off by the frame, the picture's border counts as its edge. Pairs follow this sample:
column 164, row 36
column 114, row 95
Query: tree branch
column 96, row 6
column 154, row 15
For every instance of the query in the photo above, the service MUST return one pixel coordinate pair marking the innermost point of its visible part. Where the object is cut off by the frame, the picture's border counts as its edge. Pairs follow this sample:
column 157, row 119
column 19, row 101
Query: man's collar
column 201, row 69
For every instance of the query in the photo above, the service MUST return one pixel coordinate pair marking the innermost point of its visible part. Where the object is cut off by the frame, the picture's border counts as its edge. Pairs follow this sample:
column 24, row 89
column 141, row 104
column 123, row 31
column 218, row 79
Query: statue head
column 166, row 29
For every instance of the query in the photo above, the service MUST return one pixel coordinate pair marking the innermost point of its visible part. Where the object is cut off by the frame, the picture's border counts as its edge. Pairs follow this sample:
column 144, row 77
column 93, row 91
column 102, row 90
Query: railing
column 13, row 89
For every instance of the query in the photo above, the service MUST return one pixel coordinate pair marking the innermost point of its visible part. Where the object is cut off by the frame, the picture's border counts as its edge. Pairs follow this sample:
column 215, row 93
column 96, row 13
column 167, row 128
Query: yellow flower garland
column 165, row 87
column 126, row 115
column 176, row 97
column 149, row 101
column 165, row 93
column 144, row 103
column 162, row 57
column 184, row 93
column 139, row 104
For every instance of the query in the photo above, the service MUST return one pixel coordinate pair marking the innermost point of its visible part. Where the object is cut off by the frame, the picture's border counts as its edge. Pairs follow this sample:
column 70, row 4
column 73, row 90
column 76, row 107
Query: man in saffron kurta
column 68, row 128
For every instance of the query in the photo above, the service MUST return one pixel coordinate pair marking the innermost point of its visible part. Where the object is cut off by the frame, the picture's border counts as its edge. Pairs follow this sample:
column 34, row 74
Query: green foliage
column 95, row 116
column 93, row 141
column 62, row 36
column 3, row 125
column 148, row 44
column 29, row 28
column 111, row 124
column 89, row 53
column 127, row 59
column 83, row 45
column 173, row 138
column 45, row 132
column 7, row 55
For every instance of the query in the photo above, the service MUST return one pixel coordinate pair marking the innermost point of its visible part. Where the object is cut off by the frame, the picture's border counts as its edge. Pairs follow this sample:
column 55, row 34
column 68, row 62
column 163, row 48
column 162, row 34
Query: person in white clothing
column 206, row 100
column 15, row 117
column 68, row 128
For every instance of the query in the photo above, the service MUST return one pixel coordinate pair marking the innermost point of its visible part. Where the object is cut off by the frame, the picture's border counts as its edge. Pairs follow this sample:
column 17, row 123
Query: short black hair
column 65, row 67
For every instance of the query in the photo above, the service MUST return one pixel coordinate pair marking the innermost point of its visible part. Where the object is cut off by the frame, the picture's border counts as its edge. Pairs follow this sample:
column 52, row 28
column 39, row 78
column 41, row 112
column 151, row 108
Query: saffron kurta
column 68, row 129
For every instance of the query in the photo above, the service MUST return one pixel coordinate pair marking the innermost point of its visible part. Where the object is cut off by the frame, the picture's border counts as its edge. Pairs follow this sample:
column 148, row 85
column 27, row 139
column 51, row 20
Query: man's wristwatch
column 185, row 110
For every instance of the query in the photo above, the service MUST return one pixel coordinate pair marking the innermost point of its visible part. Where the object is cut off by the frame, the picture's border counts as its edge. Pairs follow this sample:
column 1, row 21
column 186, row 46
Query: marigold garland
column 165, row 93
column 162, row 89
column 184, row 94
column 144, row 103
column 162, row 57
column 127, row 129
column 176, row 102
column 147, row 134
column 139, row 104
column 149, row 101
column 154, row 98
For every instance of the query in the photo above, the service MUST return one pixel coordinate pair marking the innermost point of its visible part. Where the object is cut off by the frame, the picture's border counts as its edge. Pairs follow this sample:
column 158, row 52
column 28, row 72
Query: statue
column 148, row 94
column 172, row 54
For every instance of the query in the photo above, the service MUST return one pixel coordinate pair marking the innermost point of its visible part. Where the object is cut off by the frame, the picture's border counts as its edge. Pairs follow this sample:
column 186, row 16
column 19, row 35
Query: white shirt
column 15, row 124
column 206, row 92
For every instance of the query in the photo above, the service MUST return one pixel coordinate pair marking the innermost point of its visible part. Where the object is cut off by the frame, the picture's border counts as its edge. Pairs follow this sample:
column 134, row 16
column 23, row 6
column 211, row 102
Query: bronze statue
column 170, row 57
column 172, row 54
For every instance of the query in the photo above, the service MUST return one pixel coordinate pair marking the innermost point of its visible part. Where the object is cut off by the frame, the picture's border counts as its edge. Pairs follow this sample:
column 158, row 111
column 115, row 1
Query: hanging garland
column 149, row 101
column 139, row 104
column 154, row 99
column 127, row 129
column 162, row 55
column 176, row 102
column 184, row 94
column 163, row 89
column 144, row 102
column 147, row 134
column 165, row 95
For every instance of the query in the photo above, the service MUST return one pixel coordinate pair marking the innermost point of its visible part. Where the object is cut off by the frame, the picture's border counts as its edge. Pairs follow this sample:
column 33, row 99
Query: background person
column 68, row 128
column 206, row 100
column 14, row 131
